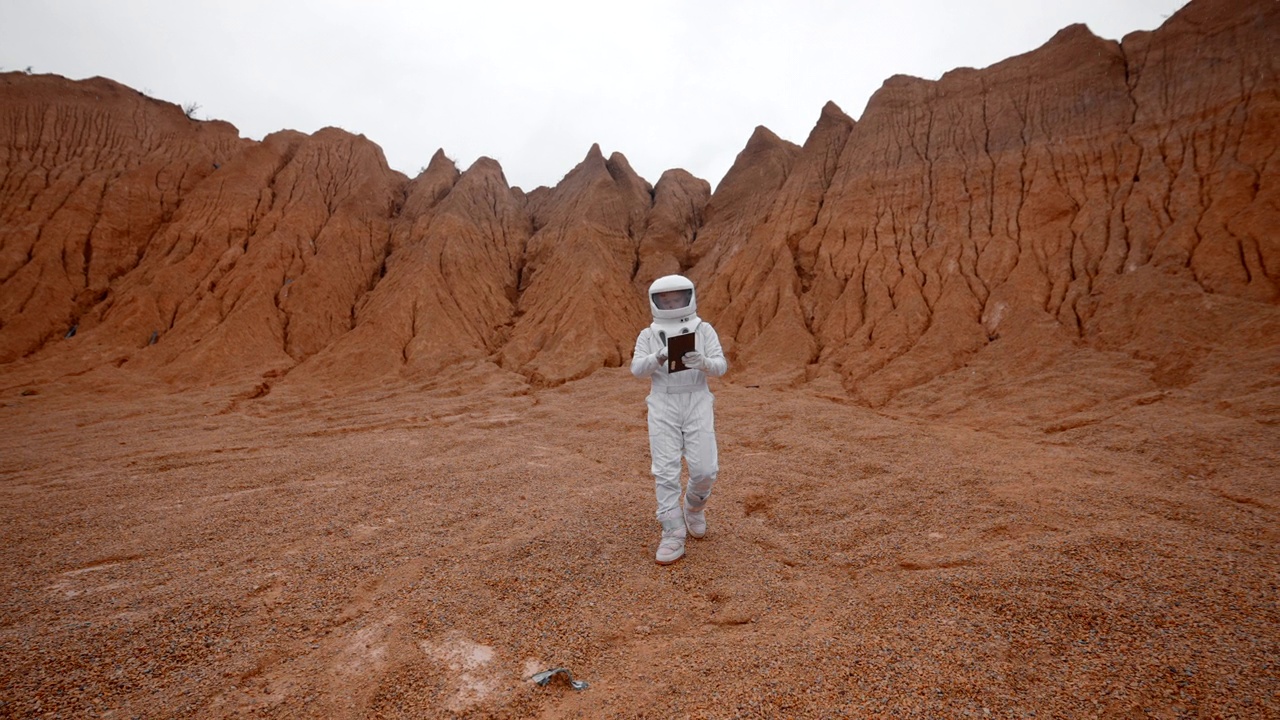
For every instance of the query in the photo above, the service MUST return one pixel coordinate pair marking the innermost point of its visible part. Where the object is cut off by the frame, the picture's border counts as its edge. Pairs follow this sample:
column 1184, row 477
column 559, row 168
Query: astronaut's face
column 672, row 299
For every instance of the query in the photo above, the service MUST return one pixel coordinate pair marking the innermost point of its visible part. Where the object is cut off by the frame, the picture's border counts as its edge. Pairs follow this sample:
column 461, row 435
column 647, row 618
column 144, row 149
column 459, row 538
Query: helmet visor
column 672, row 299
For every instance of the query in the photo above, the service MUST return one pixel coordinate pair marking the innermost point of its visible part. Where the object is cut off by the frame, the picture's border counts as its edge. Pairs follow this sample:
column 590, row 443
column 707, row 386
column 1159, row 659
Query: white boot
column 671, row 548
column 695, row 521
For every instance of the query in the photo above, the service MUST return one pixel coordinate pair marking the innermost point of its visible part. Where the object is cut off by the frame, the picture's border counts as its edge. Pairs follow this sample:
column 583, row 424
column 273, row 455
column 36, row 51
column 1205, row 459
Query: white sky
column 534, row 84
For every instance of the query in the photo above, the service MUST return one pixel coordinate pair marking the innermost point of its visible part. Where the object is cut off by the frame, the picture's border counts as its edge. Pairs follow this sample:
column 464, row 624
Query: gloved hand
column 694, row 360
column 661, row 354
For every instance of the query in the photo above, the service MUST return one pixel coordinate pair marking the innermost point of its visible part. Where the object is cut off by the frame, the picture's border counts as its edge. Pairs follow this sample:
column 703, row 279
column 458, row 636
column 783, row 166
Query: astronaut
column 681, row 414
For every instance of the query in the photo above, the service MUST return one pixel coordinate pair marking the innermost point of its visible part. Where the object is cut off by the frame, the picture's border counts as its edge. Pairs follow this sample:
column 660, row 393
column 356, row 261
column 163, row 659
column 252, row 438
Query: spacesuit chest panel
column 664, row 328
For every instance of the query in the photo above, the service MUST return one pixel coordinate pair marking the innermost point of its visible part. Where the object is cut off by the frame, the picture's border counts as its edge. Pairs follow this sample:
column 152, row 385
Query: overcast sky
column 534, row 84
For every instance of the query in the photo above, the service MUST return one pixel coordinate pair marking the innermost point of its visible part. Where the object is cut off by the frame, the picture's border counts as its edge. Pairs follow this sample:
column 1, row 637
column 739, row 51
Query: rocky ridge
column 1087, row 198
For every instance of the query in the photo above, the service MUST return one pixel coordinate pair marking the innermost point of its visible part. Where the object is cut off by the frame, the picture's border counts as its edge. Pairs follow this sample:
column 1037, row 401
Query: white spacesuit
column 681, row 415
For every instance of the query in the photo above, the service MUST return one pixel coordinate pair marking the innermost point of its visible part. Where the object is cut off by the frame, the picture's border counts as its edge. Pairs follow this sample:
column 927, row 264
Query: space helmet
column 674, row 304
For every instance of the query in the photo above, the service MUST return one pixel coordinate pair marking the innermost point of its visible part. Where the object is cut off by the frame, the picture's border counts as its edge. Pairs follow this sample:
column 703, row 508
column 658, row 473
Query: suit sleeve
column 643, row 362
column 717, row 363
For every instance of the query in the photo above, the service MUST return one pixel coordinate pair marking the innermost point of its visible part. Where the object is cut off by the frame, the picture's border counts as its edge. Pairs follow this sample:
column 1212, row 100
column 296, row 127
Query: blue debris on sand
column 545, row 676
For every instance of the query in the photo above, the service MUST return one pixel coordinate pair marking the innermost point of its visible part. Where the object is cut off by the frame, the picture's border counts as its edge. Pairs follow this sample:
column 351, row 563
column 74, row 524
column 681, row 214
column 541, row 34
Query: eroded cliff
column 1089, row 199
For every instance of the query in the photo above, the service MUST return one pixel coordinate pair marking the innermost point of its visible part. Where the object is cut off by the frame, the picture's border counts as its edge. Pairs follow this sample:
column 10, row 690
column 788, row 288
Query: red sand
column 405, row 553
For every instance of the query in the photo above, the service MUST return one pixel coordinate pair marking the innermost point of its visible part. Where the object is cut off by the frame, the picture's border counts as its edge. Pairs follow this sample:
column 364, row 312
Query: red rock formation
column 92, row 171
column 263, row 263
column 967, row 221
column 753, row 277
column 1025, row 189
column 578, row 310
column 679, row 201
column 449, row 289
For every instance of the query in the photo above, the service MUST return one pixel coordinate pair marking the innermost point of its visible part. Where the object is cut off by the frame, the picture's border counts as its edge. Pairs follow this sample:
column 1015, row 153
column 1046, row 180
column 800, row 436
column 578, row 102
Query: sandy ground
column 405, row 553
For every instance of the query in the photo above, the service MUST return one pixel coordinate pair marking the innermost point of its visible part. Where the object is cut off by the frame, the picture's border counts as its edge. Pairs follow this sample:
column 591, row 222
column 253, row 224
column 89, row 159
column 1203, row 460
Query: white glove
column 661, row 355
column 694, row 360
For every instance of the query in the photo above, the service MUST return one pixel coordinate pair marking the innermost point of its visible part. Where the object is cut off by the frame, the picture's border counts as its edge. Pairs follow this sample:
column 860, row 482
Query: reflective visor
column 672, row 299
